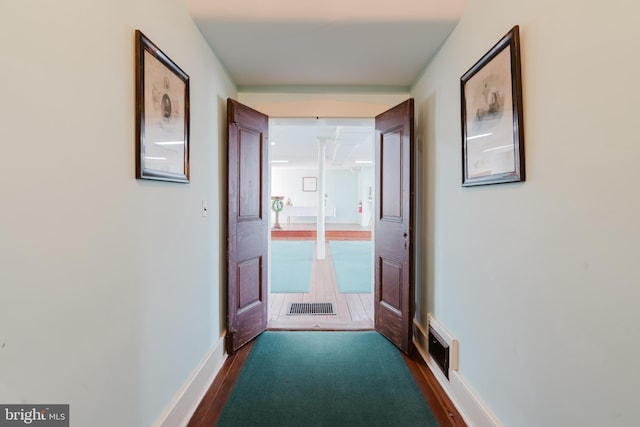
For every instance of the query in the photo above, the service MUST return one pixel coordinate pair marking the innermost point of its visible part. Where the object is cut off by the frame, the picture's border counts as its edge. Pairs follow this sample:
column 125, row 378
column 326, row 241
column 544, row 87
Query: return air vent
column 439, row 351
column 311, row 308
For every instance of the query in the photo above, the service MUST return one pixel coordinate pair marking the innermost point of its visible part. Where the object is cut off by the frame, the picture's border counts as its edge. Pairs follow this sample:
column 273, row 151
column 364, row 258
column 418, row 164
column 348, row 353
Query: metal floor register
column 311, row 308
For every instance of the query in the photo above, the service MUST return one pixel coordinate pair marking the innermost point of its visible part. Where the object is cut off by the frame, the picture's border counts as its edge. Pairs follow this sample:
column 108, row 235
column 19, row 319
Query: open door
column 393, row 252
column 248, row 223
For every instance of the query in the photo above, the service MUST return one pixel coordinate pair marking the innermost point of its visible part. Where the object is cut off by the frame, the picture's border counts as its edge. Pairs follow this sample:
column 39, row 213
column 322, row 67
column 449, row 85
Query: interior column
column 320, row 246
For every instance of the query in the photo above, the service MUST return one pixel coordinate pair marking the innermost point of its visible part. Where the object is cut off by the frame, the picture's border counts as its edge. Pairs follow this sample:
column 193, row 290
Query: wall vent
column 439, row 351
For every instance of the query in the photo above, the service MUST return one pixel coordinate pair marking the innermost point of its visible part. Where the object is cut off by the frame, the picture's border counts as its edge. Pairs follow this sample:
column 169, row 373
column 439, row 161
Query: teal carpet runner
column 291, row 262
column 353, row 263
column 307, row 379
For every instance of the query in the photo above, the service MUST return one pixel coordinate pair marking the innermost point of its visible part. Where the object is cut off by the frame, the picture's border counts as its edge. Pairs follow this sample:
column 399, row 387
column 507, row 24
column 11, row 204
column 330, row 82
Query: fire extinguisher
column 360, row 206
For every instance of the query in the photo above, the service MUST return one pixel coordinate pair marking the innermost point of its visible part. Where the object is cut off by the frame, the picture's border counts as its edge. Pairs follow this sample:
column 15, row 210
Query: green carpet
column 352, row 261
column 291, row 262
column 325, row 379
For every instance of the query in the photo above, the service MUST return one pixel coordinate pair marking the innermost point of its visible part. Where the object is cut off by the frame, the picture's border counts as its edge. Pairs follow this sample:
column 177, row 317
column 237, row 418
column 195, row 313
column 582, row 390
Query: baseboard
column 473, row 411
column 184, row 404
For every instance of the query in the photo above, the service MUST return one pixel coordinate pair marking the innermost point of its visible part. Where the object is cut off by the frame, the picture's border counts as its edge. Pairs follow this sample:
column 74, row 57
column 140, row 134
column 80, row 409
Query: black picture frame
column 492, row 117
column 162, row 115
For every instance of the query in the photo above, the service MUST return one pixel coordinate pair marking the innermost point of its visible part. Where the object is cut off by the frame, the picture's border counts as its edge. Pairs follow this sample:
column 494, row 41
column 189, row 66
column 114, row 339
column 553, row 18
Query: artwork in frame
column 309, row 183
column 162, row 115
column 492, row 123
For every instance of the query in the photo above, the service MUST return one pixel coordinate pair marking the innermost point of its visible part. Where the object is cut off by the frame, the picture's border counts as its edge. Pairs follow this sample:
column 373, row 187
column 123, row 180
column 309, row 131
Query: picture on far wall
column 162, row 115
column 492, row 123
column 309, row 183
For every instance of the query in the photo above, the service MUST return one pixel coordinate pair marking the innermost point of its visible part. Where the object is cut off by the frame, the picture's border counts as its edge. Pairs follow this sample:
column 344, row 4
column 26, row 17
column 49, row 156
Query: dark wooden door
column 248, row 210
column 394, row 292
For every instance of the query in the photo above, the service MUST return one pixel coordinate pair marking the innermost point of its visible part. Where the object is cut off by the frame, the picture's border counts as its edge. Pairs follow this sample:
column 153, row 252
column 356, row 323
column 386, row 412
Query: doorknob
column 405, row 235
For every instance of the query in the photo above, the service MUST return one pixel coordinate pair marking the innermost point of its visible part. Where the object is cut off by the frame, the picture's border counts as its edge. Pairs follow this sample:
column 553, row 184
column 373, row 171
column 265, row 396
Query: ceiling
column 266, row 43
column 328, row 43
column 294, row 142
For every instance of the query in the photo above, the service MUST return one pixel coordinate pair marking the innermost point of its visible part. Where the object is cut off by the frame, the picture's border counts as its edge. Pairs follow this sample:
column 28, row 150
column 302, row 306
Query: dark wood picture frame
column 492, row 122
column 162, row 115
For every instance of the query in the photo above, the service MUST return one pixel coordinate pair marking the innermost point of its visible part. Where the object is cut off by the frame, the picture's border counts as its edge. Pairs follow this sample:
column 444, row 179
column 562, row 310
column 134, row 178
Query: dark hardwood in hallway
column 354, row 312
column 212, row 404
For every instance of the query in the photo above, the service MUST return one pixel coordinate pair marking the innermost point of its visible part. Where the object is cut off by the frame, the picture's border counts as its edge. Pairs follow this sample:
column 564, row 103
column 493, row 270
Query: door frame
column 411, row 238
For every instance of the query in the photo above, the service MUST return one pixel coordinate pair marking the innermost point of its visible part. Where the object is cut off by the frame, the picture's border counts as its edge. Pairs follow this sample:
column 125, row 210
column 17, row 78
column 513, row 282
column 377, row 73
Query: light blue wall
column 110, row 287
column 343, row 194
column 539, row 280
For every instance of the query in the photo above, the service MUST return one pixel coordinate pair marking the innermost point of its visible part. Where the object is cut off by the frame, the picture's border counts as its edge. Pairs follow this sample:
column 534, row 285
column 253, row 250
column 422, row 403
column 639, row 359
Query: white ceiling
column 267, row 43
column 325, row 43
column 349, row 142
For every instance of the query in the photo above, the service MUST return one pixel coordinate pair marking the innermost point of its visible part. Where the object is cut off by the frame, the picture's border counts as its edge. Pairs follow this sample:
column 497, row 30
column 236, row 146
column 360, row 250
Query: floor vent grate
column 311, row 308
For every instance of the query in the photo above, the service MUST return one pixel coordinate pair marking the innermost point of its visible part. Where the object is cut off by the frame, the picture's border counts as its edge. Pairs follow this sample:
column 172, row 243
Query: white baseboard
column 186, row 401
column 473, row 411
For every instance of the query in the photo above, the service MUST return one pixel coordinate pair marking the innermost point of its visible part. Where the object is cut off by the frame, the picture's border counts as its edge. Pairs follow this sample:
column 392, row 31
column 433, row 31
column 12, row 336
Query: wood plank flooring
column 329, row 234
column 354, row 311
column 307, row 231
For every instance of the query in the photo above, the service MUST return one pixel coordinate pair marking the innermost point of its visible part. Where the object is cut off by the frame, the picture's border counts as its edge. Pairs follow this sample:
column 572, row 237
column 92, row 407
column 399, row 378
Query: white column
column 320, row 245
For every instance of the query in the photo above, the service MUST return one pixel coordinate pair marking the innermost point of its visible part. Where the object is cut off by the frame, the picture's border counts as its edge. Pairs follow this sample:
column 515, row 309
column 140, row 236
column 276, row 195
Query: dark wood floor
column 355, row 312
column 210, row 408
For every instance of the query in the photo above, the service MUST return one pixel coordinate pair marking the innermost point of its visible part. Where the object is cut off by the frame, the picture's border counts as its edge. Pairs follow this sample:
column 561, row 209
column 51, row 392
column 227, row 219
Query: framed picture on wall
column 309, row 183
column 492, row 123
column 162, row 115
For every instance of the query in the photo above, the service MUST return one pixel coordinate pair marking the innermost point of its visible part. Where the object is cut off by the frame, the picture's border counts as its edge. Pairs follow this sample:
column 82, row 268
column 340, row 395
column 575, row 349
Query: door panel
column 247, row 224
column 249, row 176
column 248, row 277
column 391, row 295
column 391, row 168
column 394, row 291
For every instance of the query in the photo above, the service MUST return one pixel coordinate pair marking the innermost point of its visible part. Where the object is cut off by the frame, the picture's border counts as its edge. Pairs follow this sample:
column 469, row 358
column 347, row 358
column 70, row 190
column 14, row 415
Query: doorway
column 321, row 230
column 248, row 223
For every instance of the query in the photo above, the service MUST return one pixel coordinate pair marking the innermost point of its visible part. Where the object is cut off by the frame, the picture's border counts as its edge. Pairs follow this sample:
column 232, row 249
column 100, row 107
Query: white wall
column 322, row 102
column 539, row 281
column 366, row 193
column 109, row 287
column 342, row 188
column 343, row 194
column 287, row 182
